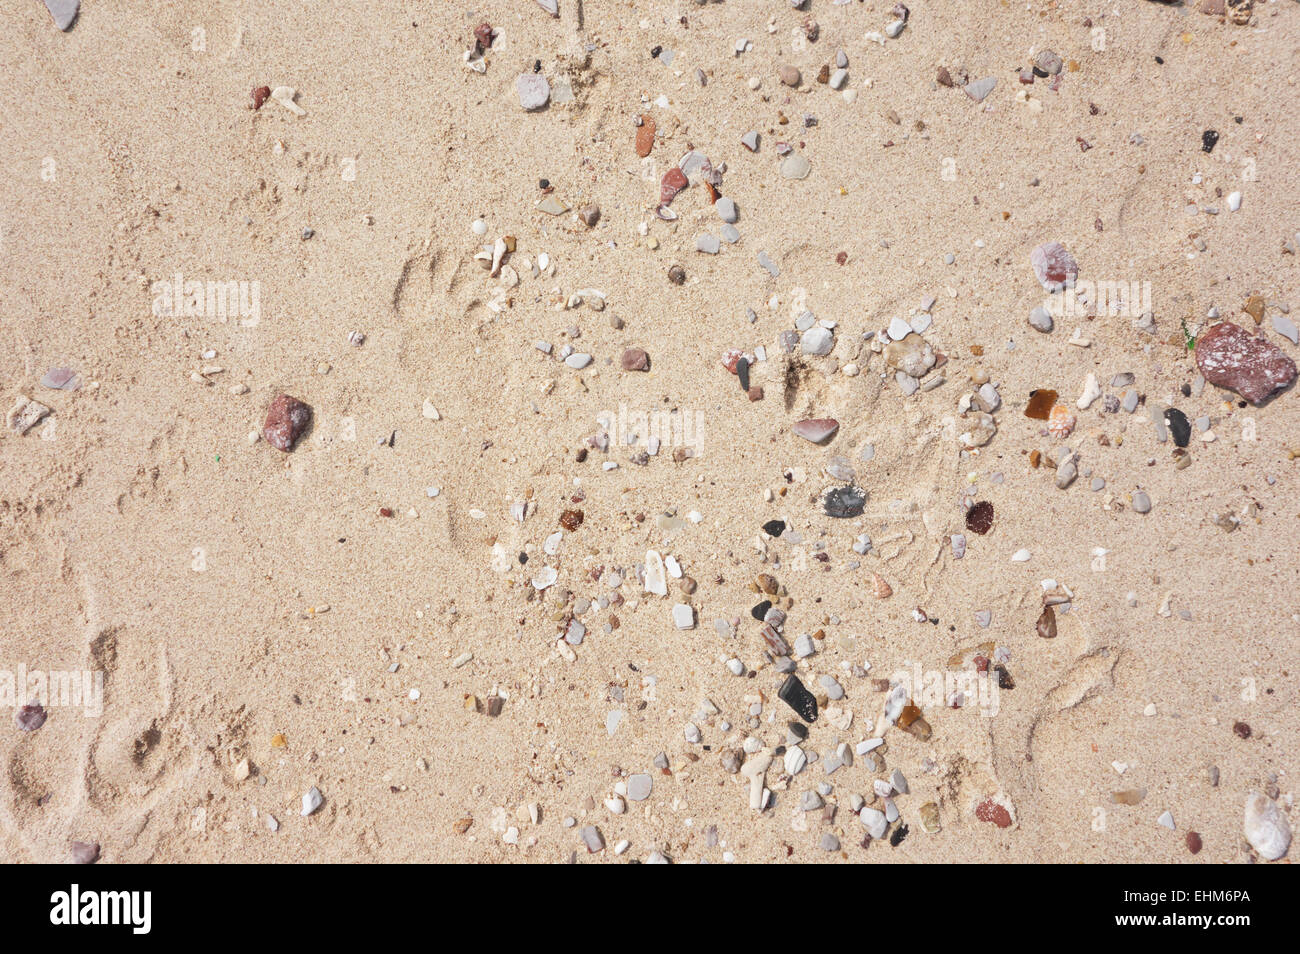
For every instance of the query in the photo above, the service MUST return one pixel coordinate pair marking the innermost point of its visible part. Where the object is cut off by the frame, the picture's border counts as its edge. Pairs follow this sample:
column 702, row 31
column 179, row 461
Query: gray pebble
column 533, row 89
column 1141, row 502
column 770, row 265
column 638, row 787
column 726, row 209
column 1040, row 320
column 731, row 235
column 708, row 244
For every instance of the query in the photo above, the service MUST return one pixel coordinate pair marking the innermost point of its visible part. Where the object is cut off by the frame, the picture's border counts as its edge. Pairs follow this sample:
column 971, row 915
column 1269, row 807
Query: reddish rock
column 260, row 96
column 483, row 34
column 1054, row 266
column 731, row 359
column 1228, row 356
column 817, row 430
column 286, row 419
column 645, row 136
column 674, row 181
column 1193, row 842
column 634, row 359
column 990, row 811
column 755, row 393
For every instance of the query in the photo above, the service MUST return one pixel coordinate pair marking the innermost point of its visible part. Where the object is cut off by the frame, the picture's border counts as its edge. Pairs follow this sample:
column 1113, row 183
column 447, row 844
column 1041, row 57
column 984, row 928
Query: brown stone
column 635, row 359
column 286, row 419
column 590, row 215
column 1228, row 356
column 645, row 137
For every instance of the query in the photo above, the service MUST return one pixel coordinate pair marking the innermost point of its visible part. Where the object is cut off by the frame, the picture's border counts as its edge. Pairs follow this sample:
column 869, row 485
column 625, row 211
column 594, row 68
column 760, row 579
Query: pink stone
column 817, row 429
column 1229, row 356
column 1054, row 266
column 286, row 419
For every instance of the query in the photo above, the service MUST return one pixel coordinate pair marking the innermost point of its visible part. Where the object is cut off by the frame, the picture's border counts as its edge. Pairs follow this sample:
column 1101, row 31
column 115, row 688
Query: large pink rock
column 1229, row 356
column 1054, row 267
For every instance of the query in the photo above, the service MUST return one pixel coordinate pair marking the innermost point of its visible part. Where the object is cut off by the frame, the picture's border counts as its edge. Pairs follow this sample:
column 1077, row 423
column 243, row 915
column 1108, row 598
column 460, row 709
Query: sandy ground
column 262, row 627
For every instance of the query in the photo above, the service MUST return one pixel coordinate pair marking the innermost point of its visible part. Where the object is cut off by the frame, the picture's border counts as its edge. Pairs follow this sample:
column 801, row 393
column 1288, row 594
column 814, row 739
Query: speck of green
column 1189, row 339
column 218, row 458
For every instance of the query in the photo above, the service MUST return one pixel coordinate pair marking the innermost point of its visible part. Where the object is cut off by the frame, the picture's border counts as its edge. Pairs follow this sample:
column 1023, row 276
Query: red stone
column 1229, row 356
column 260, row 96
column 990, row 811
column 731, row 358
column 483, row 34
column 674, row 181
column 286, row 419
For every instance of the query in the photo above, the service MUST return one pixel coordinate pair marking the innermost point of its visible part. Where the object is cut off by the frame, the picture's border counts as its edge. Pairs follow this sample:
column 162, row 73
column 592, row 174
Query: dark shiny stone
column 774, row 528
column 794, row 694
column 845, row 501
column 1179, row 426
column 760, row 611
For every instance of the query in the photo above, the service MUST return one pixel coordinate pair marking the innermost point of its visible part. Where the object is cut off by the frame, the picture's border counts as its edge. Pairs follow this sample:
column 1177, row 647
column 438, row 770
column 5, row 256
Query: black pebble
column 1186, row 389
column 742, row 372
column 1004, row 678
column 844, row 501
column 898, row 835
column 1208, row 139
column 1179, row 426
column 798, row 728
column 656, row 50
column 523, row 557
column 797, row 697
column 774, row 528
column 543, row 183
column 759, row 611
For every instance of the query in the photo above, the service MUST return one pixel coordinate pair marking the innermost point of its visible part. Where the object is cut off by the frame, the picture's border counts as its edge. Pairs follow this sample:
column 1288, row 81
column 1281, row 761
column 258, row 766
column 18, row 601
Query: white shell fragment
column 1266, row 827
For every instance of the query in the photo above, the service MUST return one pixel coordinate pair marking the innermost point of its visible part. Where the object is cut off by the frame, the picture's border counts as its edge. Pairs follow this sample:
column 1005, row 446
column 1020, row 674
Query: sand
column 262, row 628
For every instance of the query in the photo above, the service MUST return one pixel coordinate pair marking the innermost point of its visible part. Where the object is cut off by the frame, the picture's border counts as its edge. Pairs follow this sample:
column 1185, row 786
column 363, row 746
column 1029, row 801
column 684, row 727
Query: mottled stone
column 1228, row 356
column 1054, row 267
column 286, row 419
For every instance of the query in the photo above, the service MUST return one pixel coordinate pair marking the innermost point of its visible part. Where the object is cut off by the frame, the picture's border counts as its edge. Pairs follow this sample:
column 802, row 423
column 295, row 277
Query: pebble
column 683, row 616
column 1228, row 356
column 65, row 379
column 708, row 244
column 795, row 166
column 30, row 717
column 63, row 12
column 1234, row 201
column 533, row 89
column 590, row 215
column 578, row 360
column 750, row 140
column 1286, row 327
column 794, row 694
column 286, row 420
column 635, row 359
column 645, row 136
column 84, row 852
column 1041, row 320
column 789, row 75
column 1054, row 267
column 1266, row 827
column 638, row 787
column 311, row 800
column 730, row 234
column 839, row 78
column 817, row 340
column 591, row 836
column 978, row 90
column 1091, row 391
column 726, row 209
column 816, row 430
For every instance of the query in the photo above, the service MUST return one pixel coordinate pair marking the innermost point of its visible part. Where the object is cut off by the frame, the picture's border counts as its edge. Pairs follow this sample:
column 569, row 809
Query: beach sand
column 270, row 622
